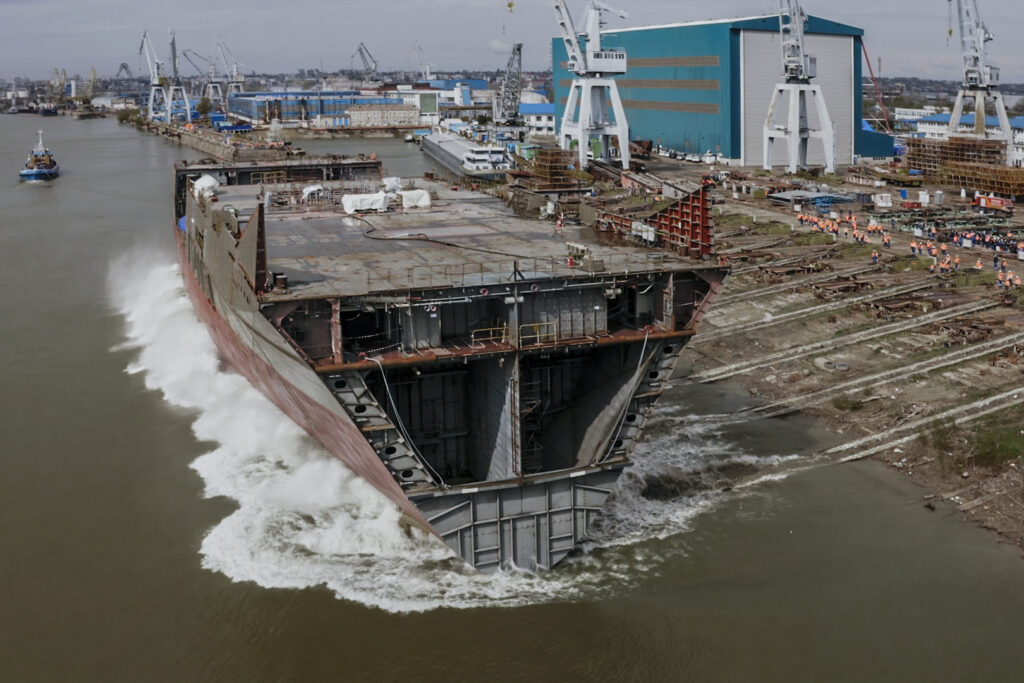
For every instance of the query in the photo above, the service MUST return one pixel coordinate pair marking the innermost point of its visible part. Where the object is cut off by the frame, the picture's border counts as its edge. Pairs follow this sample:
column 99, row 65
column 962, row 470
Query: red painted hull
column 335, row 433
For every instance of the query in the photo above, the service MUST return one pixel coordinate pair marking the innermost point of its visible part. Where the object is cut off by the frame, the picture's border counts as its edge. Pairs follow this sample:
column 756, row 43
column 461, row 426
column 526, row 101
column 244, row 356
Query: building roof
column 968, row 120
column 526, row 109
column 763, row 22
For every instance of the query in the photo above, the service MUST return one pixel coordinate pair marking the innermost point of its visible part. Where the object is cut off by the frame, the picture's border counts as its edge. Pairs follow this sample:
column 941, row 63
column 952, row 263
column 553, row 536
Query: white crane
column 424, row 64
column 593, row 97
column 176, row 93
column 981, row 79
column 158, row 99
column 212, row 89
column 235, row 80
column 505, row 106
column 798, row 68
column 369, row 63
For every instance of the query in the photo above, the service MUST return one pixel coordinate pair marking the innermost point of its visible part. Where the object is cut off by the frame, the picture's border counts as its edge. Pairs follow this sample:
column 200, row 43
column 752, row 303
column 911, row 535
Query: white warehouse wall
column 760, row 71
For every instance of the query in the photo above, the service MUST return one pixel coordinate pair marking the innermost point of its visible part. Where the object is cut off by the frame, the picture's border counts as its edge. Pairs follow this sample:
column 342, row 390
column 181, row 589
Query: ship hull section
column 332, row 430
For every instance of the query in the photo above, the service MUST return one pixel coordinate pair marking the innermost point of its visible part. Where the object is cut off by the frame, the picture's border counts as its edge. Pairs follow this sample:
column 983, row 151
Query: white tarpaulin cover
column 205, row 186
column 392, row 184
column 415, row 199
column 311, row 189
column 365, row 202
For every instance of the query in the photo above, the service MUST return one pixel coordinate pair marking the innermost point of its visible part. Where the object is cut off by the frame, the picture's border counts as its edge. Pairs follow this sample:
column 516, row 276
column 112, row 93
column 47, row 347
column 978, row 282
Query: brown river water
column 161, row 521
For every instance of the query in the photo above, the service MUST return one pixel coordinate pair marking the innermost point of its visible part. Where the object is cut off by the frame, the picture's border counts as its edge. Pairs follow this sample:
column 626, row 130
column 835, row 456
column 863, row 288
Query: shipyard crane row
column 798, row 68
column 505, row 105
column 594, row 108
column 981, row 79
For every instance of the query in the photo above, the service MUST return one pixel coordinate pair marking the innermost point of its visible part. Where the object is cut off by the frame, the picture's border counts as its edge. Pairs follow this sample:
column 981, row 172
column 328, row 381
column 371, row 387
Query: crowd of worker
column 847, row 225
column 943, row 262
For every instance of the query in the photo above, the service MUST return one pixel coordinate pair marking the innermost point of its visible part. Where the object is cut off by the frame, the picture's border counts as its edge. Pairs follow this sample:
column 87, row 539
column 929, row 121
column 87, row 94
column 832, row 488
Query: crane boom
column 146, row 48
column 974, row 34
column 569, row 37
column 797, row 65
column 369, row 63
column 424, row 64
column 506, row 101
column 174, row 58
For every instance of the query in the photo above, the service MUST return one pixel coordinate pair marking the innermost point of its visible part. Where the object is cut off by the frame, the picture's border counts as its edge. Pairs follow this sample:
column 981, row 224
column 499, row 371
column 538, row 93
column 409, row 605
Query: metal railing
column 496, row 335
column 538, row 333
column 503, row 272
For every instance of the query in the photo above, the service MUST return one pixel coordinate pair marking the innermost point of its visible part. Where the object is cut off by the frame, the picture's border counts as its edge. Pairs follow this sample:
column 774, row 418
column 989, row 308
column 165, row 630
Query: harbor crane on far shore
column 424, row 64
column 594, row 108
column 981, row 79
column 176, row 93
column 212, row 89
column 158, row 101
column 798, row 68
column 235, row 80
column 369, row 63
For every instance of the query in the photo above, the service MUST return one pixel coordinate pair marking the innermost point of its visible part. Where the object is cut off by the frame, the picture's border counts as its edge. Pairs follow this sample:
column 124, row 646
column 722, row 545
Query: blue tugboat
column 40, row 164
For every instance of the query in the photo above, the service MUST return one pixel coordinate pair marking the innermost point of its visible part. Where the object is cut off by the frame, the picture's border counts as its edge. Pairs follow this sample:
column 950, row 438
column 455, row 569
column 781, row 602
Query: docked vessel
column 465, row 158
column 40, row 165
column 489, row 374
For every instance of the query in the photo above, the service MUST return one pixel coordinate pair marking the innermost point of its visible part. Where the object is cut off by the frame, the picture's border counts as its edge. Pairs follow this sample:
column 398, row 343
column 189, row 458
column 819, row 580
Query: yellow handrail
column 538, row 333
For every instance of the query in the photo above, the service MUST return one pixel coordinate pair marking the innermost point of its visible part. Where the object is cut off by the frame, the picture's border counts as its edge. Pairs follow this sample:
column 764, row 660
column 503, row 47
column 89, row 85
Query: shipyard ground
column 919, row 371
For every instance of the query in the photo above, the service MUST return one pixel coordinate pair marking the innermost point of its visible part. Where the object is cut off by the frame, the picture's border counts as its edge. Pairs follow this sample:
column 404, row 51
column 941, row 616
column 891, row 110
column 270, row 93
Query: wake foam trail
column 304, row 519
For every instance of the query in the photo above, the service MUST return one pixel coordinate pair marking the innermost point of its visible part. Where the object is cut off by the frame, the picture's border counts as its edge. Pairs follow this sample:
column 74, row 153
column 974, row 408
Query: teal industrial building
column 706, row 86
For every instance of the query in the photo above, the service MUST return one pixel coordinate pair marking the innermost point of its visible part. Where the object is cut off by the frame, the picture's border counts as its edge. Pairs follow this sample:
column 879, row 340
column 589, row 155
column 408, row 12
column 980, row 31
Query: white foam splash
column 303, row 519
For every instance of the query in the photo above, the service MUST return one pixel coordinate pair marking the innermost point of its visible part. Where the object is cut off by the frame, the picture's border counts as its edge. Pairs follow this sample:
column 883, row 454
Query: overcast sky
column 274, row 36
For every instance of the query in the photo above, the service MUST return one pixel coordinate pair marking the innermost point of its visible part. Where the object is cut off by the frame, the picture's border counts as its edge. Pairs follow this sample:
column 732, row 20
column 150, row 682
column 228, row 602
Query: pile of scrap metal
column 962, row 331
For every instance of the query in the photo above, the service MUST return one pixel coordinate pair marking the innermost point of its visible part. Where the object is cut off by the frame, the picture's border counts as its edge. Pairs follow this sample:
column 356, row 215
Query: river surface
column 161, row 521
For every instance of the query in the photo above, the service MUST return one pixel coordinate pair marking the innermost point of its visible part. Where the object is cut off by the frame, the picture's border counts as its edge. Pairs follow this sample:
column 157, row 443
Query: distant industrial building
column 538, row 117
column 706, row 86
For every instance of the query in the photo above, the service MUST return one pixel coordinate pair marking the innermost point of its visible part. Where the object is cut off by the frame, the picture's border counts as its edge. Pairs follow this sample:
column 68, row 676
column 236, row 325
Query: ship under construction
column 491, row 374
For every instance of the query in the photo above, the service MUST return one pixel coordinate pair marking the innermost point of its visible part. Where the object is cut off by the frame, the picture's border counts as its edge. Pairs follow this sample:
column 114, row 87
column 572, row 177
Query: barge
column 491, row 375
column 464, row 158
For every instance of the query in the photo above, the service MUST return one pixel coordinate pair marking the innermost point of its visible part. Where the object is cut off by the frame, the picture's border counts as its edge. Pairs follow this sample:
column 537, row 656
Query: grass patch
column 997, row 439
column 855, row 250
column 813, row 239
column 772, row 228
column 973, row 278
column 732, row 220
column 919, row 263
column 846, row 403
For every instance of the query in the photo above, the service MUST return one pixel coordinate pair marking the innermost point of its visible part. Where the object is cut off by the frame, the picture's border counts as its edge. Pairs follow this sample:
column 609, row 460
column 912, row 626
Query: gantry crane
column 798, row 68
column 158, row 100
column 505, row 106
column 981, row 79
column 593, row 97
column 176, row 93
column 424, row 64
column 212, row 89
column 235, row 80
column 369, row 63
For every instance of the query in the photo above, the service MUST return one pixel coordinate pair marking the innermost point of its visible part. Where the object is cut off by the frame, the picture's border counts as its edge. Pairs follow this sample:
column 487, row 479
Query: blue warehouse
column 706, row 86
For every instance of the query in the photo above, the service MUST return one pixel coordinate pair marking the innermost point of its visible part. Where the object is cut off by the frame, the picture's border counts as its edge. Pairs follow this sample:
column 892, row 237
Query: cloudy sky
column 274, row 36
